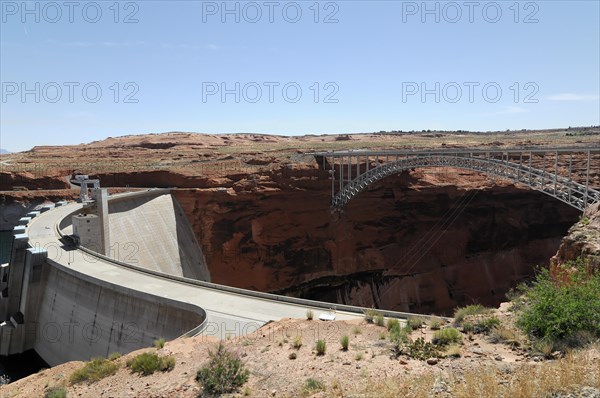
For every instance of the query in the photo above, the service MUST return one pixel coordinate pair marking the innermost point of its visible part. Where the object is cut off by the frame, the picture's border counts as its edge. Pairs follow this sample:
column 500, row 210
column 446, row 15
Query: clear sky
column 76, row 72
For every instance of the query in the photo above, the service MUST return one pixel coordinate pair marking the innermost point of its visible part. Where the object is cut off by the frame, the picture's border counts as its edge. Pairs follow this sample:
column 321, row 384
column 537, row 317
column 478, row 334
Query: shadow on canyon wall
column 423, row 241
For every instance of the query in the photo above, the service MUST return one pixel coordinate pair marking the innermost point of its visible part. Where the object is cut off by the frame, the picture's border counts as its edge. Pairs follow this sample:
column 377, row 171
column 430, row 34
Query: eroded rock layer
column 424, row 241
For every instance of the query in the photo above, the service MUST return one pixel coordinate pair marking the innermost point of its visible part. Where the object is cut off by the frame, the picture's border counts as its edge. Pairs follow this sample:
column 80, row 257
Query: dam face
column 153, row 232
column 64, row 314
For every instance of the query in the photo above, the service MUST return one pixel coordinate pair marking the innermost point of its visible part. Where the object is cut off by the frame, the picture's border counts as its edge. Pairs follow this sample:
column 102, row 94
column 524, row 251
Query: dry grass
column 561, row 376
column 565, row 375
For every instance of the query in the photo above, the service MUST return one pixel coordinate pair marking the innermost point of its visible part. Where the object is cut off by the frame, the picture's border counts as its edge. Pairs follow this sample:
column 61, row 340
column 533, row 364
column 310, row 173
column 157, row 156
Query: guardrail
column 244, row 292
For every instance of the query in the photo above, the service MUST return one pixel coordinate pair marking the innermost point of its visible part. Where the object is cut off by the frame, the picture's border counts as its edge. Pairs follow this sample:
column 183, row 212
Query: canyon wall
column 422, row 241
column 583, row 239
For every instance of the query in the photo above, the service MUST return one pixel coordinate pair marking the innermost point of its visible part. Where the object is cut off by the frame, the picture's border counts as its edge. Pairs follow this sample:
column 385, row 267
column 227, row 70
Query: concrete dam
column 146, row 279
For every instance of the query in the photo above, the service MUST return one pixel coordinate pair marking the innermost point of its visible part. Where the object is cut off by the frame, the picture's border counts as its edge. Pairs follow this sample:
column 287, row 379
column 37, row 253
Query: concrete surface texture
column 81, row 304
column 90, row 305
column 152, row 232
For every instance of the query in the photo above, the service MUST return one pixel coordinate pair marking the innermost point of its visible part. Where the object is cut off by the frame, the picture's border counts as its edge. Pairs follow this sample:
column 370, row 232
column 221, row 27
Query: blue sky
column 484, row 66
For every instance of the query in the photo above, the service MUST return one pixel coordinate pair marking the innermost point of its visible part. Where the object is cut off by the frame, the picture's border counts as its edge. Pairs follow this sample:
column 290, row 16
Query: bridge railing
column 496, row 164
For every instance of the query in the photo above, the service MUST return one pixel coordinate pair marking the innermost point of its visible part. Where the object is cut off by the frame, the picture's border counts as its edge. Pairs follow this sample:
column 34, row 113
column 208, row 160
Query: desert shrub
column 453, row 351
column 420, row 349
column 446, row 336
column 435, row 324
column 393, row 323
column 297, row 342
column 55, row 392
column 379, row 320
column 501, row 334
column 166, row 363
column 224, row 373
column 94, row 370
column 544, row 346
column 149, row 362
column 370, row 314
column 114, row 356
column 398, row 338
column 485, row 324
column 468, row 327
column 469, row 310
column 414, row 323
column 359, row 356
column 559, row 308
column 321, row 347
column 309, row 315
column 356, row 330
column 344, row 341
column 312, row 386
column 160, row 343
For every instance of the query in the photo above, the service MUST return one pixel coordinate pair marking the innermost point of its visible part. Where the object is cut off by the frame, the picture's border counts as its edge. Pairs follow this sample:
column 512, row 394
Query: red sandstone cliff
column 423, row 241
column 426, row 240
column 583, row 239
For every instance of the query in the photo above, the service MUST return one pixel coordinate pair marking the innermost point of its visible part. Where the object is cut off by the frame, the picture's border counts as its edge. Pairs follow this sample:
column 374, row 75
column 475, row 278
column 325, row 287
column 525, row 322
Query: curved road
column 230, row 311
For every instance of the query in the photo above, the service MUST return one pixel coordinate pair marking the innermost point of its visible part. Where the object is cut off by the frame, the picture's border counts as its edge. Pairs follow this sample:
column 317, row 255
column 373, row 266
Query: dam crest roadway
column 68, row 302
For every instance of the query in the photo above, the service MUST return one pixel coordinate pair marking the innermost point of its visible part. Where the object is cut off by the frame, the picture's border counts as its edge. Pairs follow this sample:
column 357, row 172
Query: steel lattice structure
column 571, row 183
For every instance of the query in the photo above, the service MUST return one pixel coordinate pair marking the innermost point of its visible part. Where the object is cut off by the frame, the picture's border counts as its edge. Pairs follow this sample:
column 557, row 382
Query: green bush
column 414, row 323
column 486, row 324
column 160, row 343
column 166, row 363
column 393, row 323
column 446, row 336
column 94, row 370
column 399, row 338
column 420, row 349
column 149, row 362
column 344, row 341
column 297, row 342
column 312, row 386
column 435, row 324
column 370, row 314
column 224, row 373
column 557, row 310
column 469, row 310
column 468, row 327
column 114, row 356
column 379, row 320
column 321, row 347
column 55, row 392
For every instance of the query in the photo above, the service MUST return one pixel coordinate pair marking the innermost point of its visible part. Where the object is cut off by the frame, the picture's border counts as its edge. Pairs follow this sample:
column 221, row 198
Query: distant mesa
column 4, row 151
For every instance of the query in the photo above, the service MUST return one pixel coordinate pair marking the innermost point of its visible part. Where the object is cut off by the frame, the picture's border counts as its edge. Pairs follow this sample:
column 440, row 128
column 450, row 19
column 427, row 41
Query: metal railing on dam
column 73, row 303
column 563, row 173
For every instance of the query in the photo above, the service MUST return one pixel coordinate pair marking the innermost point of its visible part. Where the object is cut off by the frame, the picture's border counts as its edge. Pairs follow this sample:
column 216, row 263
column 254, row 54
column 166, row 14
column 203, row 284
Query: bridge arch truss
column 571, row 175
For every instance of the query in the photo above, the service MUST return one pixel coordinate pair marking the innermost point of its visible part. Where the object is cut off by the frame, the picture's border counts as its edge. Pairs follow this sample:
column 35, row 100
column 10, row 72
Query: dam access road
column 96, row 305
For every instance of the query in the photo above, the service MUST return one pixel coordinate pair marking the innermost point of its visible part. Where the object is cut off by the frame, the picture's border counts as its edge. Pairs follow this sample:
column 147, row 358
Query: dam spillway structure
column 70, row 302
column 47, row 307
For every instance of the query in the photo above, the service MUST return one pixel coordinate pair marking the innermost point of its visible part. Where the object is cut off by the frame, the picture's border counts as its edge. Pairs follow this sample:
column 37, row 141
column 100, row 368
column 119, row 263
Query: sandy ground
column 266, row 354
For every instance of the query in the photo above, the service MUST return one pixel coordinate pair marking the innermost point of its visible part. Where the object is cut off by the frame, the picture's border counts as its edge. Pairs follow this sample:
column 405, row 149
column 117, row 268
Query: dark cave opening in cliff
column 423, row 241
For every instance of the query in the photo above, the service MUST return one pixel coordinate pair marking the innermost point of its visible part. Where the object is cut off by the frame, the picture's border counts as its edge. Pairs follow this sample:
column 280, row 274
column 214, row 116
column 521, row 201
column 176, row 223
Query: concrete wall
column 152, row 231
column 80, row 317
column 67, row 315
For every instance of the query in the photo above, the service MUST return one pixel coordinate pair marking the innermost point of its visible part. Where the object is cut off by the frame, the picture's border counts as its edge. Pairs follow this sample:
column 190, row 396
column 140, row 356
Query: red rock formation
column 583, row 240
column 423, row 241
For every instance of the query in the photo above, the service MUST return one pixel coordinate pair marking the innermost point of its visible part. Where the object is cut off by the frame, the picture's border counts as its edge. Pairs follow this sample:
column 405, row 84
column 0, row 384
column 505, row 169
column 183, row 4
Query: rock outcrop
column 583, row 239
column 424, row 241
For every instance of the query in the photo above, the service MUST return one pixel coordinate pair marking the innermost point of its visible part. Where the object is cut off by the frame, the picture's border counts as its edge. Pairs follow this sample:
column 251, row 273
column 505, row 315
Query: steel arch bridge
column 567, row 174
